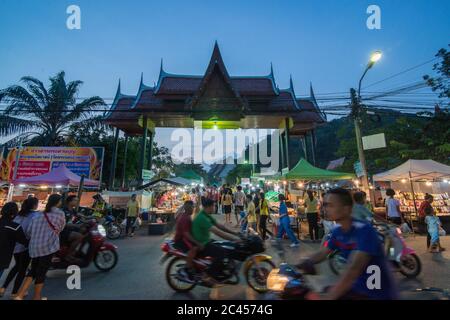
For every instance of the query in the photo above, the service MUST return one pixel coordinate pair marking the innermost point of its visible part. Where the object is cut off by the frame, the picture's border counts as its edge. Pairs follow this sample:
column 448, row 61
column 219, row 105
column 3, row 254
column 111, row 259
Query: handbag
column 442, row 232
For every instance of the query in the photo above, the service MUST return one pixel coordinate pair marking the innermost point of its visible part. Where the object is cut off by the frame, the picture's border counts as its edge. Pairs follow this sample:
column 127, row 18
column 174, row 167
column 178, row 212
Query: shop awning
column 306, row 171
column 58, row 176
column 416, row 170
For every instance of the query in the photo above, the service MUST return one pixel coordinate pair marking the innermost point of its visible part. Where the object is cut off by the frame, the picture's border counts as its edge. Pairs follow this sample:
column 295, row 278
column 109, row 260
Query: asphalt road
column 138, row 274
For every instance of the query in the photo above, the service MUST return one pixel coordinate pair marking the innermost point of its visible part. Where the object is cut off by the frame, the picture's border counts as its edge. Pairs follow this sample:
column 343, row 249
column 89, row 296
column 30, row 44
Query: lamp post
column 356, row 113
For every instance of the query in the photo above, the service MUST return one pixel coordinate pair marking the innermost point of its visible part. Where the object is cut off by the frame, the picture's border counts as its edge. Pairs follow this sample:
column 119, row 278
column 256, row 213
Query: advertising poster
column 34, row 161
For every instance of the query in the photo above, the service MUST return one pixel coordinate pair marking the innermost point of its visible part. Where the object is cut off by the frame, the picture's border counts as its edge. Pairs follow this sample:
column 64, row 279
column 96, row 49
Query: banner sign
column 358, row 169
column 374, row 141
column 35, row 161
column 147, row 175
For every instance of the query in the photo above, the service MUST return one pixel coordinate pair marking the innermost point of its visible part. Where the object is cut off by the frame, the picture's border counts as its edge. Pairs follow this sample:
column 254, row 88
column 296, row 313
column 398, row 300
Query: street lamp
column 356, row 111
column 374, row 58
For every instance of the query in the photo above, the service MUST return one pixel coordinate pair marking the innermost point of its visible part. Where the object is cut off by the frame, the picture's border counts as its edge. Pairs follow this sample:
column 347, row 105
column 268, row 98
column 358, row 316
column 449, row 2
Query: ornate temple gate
column 218, row 100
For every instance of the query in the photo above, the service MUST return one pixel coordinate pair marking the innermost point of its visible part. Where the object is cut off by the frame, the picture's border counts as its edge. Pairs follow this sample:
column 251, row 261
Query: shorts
column 227, row 209
column 238, row 209
column 39, row 268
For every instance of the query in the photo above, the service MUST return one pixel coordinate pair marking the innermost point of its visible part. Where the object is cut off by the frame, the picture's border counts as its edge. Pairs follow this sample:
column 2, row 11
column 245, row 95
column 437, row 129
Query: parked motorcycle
column 403, row 258
column 92, row 249
column 257, row 266
column 112, row 226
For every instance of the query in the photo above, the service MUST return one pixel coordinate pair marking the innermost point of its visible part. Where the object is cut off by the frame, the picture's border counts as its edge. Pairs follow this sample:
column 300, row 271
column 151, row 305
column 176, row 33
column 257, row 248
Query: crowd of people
column 31, row 238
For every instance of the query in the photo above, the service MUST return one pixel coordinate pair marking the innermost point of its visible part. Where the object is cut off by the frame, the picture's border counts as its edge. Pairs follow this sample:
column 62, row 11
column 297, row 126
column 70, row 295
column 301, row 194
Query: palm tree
column 44, row 117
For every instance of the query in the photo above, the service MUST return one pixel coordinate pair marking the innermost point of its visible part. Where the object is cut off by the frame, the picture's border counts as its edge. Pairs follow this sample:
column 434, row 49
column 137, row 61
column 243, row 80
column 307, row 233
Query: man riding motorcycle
column 202, row 226
column 72, row 234
column 368, row 275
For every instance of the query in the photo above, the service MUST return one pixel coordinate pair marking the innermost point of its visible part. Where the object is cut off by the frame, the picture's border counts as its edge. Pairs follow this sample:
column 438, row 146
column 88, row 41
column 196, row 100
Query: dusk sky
column 324, row 42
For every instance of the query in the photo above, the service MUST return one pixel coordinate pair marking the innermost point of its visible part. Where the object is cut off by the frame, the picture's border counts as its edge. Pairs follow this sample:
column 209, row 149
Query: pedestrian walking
column 425, row 210
column 21, row 254
column 264, row 216
column 285, row 223
column 433, row 226
column 239, row 201
column 312, row 215
column 10, row 233
column 393, row 212
column 43, row 233
column 133, row 209
column 227, row 201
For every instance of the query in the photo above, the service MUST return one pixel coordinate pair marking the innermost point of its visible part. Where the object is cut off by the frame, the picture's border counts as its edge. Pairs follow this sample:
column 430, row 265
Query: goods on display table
column 441, row 203
column 167, row 198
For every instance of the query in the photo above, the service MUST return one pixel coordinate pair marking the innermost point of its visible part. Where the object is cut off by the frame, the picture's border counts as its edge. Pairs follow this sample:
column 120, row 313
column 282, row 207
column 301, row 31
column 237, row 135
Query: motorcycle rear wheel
column 114, row 231
column 110, row 263
column 252, row 273
column 410, row 265
column 172, row 276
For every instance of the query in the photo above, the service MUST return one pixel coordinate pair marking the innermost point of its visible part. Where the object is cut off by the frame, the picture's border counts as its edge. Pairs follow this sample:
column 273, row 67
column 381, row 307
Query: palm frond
column 12, row 125
column 72, row 89
column 19, row 94
column 37, row 88
column 82, row 109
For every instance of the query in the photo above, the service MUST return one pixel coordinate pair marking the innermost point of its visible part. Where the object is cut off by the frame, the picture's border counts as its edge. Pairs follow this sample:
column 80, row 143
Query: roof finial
column 291, row 84
column 271, row 70
column 118, row 89
column 161, row 69
column 142, row 79
column 311, row 92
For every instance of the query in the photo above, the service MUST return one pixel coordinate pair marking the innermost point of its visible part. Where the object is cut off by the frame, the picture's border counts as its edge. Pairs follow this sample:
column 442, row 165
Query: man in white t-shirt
column 239, row 201
column 393, row 212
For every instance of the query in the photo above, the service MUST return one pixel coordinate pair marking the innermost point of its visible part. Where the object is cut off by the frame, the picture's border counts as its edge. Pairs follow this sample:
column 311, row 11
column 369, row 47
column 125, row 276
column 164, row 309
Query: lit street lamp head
column 375, row 57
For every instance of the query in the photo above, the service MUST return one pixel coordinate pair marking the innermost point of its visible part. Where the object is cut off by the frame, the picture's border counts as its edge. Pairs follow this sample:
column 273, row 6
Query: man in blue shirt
column 285, row 223
column 367, row 275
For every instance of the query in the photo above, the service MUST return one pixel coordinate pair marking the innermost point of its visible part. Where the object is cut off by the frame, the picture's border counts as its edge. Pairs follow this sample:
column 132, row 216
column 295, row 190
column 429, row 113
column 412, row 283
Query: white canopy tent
column 416, row 170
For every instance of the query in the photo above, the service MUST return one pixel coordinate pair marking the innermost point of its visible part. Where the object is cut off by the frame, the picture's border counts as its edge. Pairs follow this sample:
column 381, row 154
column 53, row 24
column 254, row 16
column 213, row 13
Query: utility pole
column 356, row 114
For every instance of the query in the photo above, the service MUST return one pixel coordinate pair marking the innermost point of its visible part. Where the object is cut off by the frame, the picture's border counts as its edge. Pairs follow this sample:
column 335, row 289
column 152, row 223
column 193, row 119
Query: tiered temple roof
column 177, row 100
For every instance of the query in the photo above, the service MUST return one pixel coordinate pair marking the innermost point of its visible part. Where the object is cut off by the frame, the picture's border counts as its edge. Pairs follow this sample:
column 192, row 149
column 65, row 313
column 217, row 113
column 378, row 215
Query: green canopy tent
column 303, row 170
column 191, row 175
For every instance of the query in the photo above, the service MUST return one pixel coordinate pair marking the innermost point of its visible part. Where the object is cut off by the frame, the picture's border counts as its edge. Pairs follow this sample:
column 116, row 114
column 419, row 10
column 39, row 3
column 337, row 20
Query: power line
column 401, row 72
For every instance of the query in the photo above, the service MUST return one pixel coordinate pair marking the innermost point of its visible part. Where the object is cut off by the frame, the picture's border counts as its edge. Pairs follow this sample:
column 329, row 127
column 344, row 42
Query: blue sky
column 325, row 42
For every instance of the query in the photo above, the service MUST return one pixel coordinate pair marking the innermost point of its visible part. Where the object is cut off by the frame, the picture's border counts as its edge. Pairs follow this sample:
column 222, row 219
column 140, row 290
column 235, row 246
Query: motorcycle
column 92, row 249
column 112, row 226
column 248, row 252
column 403, row 258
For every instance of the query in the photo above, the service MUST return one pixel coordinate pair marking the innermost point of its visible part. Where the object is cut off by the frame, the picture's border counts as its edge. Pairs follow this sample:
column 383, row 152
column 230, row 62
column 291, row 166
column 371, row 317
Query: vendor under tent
column 420, row 177
column 59, row 176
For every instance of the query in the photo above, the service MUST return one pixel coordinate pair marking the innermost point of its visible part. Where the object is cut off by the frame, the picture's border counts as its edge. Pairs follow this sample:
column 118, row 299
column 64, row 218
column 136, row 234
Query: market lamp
column 22, row 185
column 43, row 187
column 428, row 183
column 403, row 180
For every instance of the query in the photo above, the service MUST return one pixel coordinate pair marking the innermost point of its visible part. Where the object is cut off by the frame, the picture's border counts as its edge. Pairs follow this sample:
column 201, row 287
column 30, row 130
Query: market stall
column 58, row 180
column 295, row 180
column 413, row 179
column 167, row 197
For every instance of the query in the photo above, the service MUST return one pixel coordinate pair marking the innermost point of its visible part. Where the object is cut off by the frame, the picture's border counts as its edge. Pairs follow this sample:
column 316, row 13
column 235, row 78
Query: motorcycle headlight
column 101, row 229
column 275, row 281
